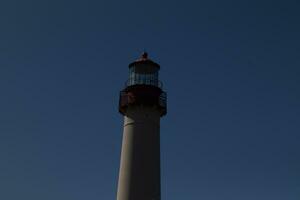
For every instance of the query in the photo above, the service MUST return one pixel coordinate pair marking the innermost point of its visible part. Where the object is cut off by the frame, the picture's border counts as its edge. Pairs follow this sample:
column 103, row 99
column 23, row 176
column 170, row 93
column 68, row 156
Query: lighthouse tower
column 143, row 103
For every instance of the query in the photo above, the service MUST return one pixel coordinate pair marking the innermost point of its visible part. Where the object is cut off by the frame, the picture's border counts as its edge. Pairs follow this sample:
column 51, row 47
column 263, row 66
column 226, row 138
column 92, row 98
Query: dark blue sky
column 231, row 70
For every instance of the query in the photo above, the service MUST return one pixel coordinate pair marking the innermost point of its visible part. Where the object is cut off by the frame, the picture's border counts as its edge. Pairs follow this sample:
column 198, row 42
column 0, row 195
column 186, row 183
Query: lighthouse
column 142, row 103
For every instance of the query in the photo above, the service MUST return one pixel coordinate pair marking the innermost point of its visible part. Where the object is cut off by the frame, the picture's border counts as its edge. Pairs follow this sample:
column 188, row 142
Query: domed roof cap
column 144, row 60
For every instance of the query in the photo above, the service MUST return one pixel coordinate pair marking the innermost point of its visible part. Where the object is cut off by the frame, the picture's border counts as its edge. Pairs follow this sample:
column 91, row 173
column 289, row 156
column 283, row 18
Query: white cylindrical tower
column 142, row 103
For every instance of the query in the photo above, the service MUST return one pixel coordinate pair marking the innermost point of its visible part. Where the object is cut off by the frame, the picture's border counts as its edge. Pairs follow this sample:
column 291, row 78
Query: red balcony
column 143, row 95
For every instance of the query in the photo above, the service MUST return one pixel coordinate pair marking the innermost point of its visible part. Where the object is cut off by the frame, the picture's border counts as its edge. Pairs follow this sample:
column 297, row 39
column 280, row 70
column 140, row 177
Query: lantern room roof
column 144, row 60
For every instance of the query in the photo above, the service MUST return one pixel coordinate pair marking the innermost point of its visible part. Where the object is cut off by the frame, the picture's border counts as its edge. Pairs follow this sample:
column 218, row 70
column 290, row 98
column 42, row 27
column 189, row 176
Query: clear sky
column 231, row 70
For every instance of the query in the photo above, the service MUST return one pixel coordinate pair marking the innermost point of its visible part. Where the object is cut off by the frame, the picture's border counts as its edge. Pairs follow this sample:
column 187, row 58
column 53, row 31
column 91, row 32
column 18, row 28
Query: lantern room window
column 141, row 77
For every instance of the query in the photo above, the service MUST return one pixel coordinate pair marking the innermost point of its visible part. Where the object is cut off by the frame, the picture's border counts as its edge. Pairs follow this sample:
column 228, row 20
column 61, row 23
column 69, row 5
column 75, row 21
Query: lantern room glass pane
column 142, row 79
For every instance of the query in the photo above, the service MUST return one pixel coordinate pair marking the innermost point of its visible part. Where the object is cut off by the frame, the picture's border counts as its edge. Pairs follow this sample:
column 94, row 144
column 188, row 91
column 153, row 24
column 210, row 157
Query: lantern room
column 144, row 72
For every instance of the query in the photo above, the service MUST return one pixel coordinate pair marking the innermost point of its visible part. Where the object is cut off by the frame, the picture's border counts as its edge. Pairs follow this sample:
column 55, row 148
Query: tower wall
column 139, row 175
